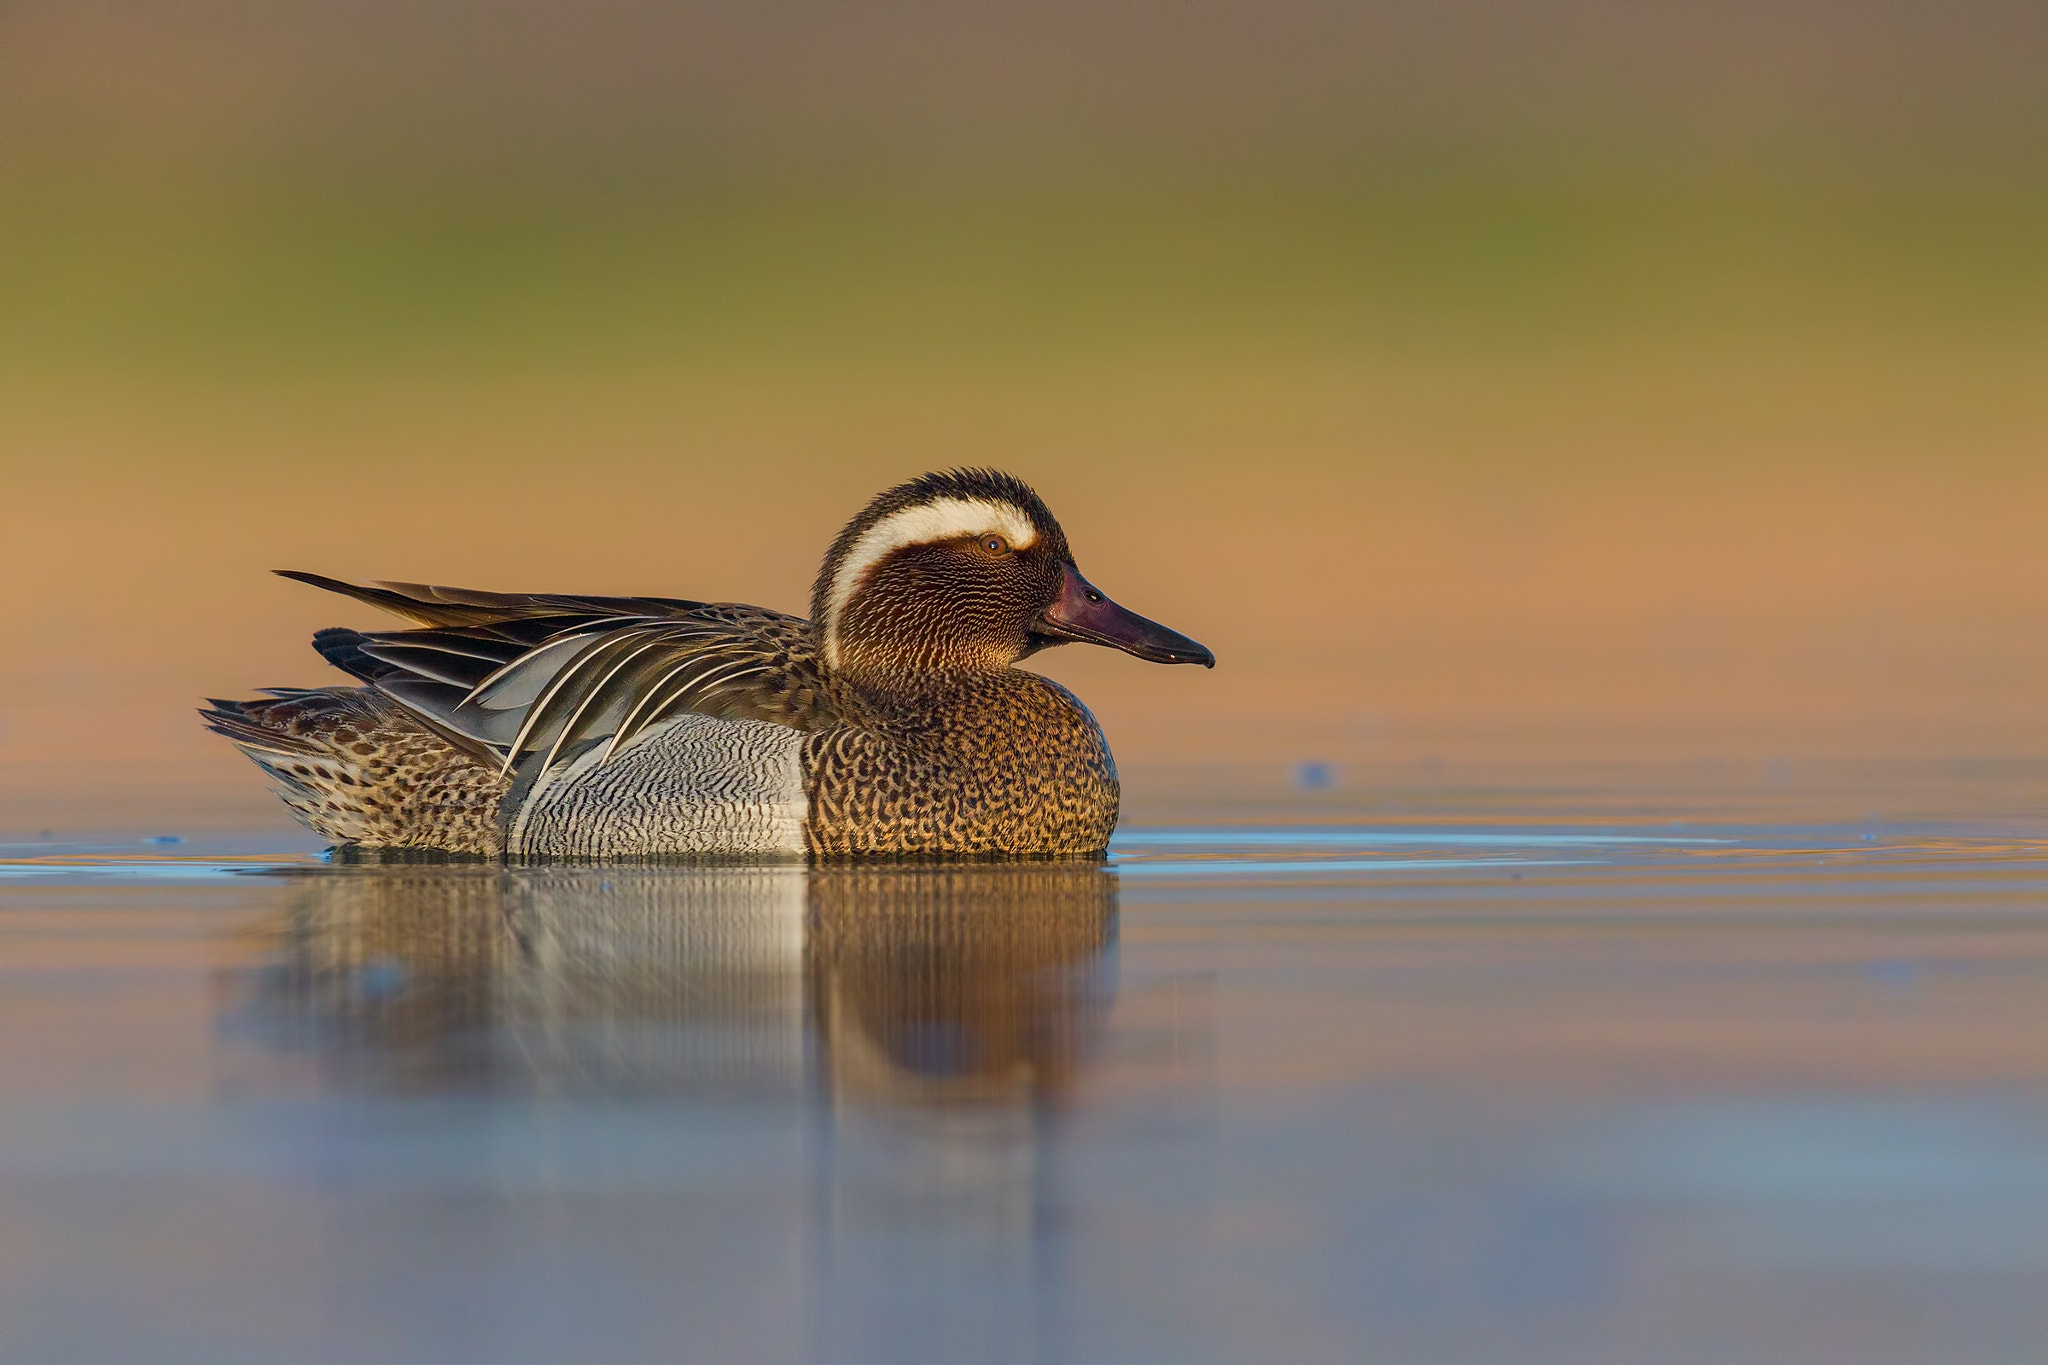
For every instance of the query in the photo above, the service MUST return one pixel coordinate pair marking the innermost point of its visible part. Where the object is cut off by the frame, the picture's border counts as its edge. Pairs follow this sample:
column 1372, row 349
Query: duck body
column 892, row 723
column 1006, row 765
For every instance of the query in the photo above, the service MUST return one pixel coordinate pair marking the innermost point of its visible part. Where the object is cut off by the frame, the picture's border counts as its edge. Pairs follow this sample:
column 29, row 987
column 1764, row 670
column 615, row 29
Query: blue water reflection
column 1456, row 1093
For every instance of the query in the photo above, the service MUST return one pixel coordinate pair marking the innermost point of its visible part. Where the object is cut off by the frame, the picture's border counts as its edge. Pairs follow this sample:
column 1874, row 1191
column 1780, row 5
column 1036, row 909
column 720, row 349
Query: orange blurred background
column 1482, row 383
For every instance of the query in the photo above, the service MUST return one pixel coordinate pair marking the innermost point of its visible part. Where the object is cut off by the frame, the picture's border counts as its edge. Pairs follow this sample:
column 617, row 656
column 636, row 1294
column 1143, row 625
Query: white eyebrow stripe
column 926, row 524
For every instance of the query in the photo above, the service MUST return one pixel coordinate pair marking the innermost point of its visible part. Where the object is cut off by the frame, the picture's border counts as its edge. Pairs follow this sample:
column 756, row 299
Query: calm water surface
column 1690, row 1070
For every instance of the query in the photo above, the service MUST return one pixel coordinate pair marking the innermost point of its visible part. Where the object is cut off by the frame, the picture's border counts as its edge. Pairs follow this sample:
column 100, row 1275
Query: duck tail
column 356, row 768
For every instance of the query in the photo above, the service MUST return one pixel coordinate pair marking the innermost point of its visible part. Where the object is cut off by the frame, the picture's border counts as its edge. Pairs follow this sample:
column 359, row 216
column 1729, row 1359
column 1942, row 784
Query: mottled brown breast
column 983, row 763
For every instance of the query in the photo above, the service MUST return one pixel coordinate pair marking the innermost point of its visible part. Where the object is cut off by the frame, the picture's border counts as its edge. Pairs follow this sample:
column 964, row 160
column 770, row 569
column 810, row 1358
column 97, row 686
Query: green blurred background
column 1485, row 382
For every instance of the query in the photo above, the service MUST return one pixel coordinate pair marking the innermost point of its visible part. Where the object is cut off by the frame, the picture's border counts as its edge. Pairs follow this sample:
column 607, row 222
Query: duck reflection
column 878, row 1066
column 949, row 984
column 932, row 987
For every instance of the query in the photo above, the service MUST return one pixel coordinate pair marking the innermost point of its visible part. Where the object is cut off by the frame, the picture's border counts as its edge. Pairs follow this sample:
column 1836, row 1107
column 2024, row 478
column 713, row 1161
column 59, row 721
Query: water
column 1559, row 1070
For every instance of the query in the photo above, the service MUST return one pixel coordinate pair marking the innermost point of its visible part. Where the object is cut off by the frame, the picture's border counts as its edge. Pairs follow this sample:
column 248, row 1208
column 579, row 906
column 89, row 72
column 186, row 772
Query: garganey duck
column 893, row 722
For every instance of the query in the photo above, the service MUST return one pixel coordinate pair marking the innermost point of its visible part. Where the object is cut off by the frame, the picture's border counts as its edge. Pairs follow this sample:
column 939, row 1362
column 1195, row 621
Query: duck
column 893, row 722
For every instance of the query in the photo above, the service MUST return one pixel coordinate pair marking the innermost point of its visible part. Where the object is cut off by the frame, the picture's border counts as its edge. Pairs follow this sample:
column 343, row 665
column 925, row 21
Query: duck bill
column 1084, row 613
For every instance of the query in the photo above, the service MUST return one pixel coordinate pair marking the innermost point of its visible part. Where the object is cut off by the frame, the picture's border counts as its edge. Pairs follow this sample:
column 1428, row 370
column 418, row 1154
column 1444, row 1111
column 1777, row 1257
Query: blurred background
column 1486, row 382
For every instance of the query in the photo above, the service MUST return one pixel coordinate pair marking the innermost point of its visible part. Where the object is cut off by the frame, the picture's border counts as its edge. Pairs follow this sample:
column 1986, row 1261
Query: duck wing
column 443, row 606
column 525, row 673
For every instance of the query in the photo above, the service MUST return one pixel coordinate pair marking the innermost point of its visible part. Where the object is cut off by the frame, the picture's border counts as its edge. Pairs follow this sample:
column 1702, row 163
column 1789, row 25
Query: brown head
column 966, row 570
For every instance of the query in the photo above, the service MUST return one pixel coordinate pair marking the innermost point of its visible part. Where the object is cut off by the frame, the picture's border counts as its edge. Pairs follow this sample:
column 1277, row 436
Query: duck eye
column 995, row 545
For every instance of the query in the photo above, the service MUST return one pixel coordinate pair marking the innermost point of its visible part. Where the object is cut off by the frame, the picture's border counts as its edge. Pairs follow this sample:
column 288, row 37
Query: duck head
column 966, row 570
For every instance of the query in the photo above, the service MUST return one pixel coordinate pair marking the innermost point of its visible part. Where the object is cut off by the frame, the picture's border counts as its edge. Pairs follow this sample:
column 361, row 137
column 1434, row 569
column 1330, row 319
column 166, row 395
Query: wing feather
column 601, row 699
column 431, row 605
column 514, row 674
column 555, row 698
column 448, row 656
